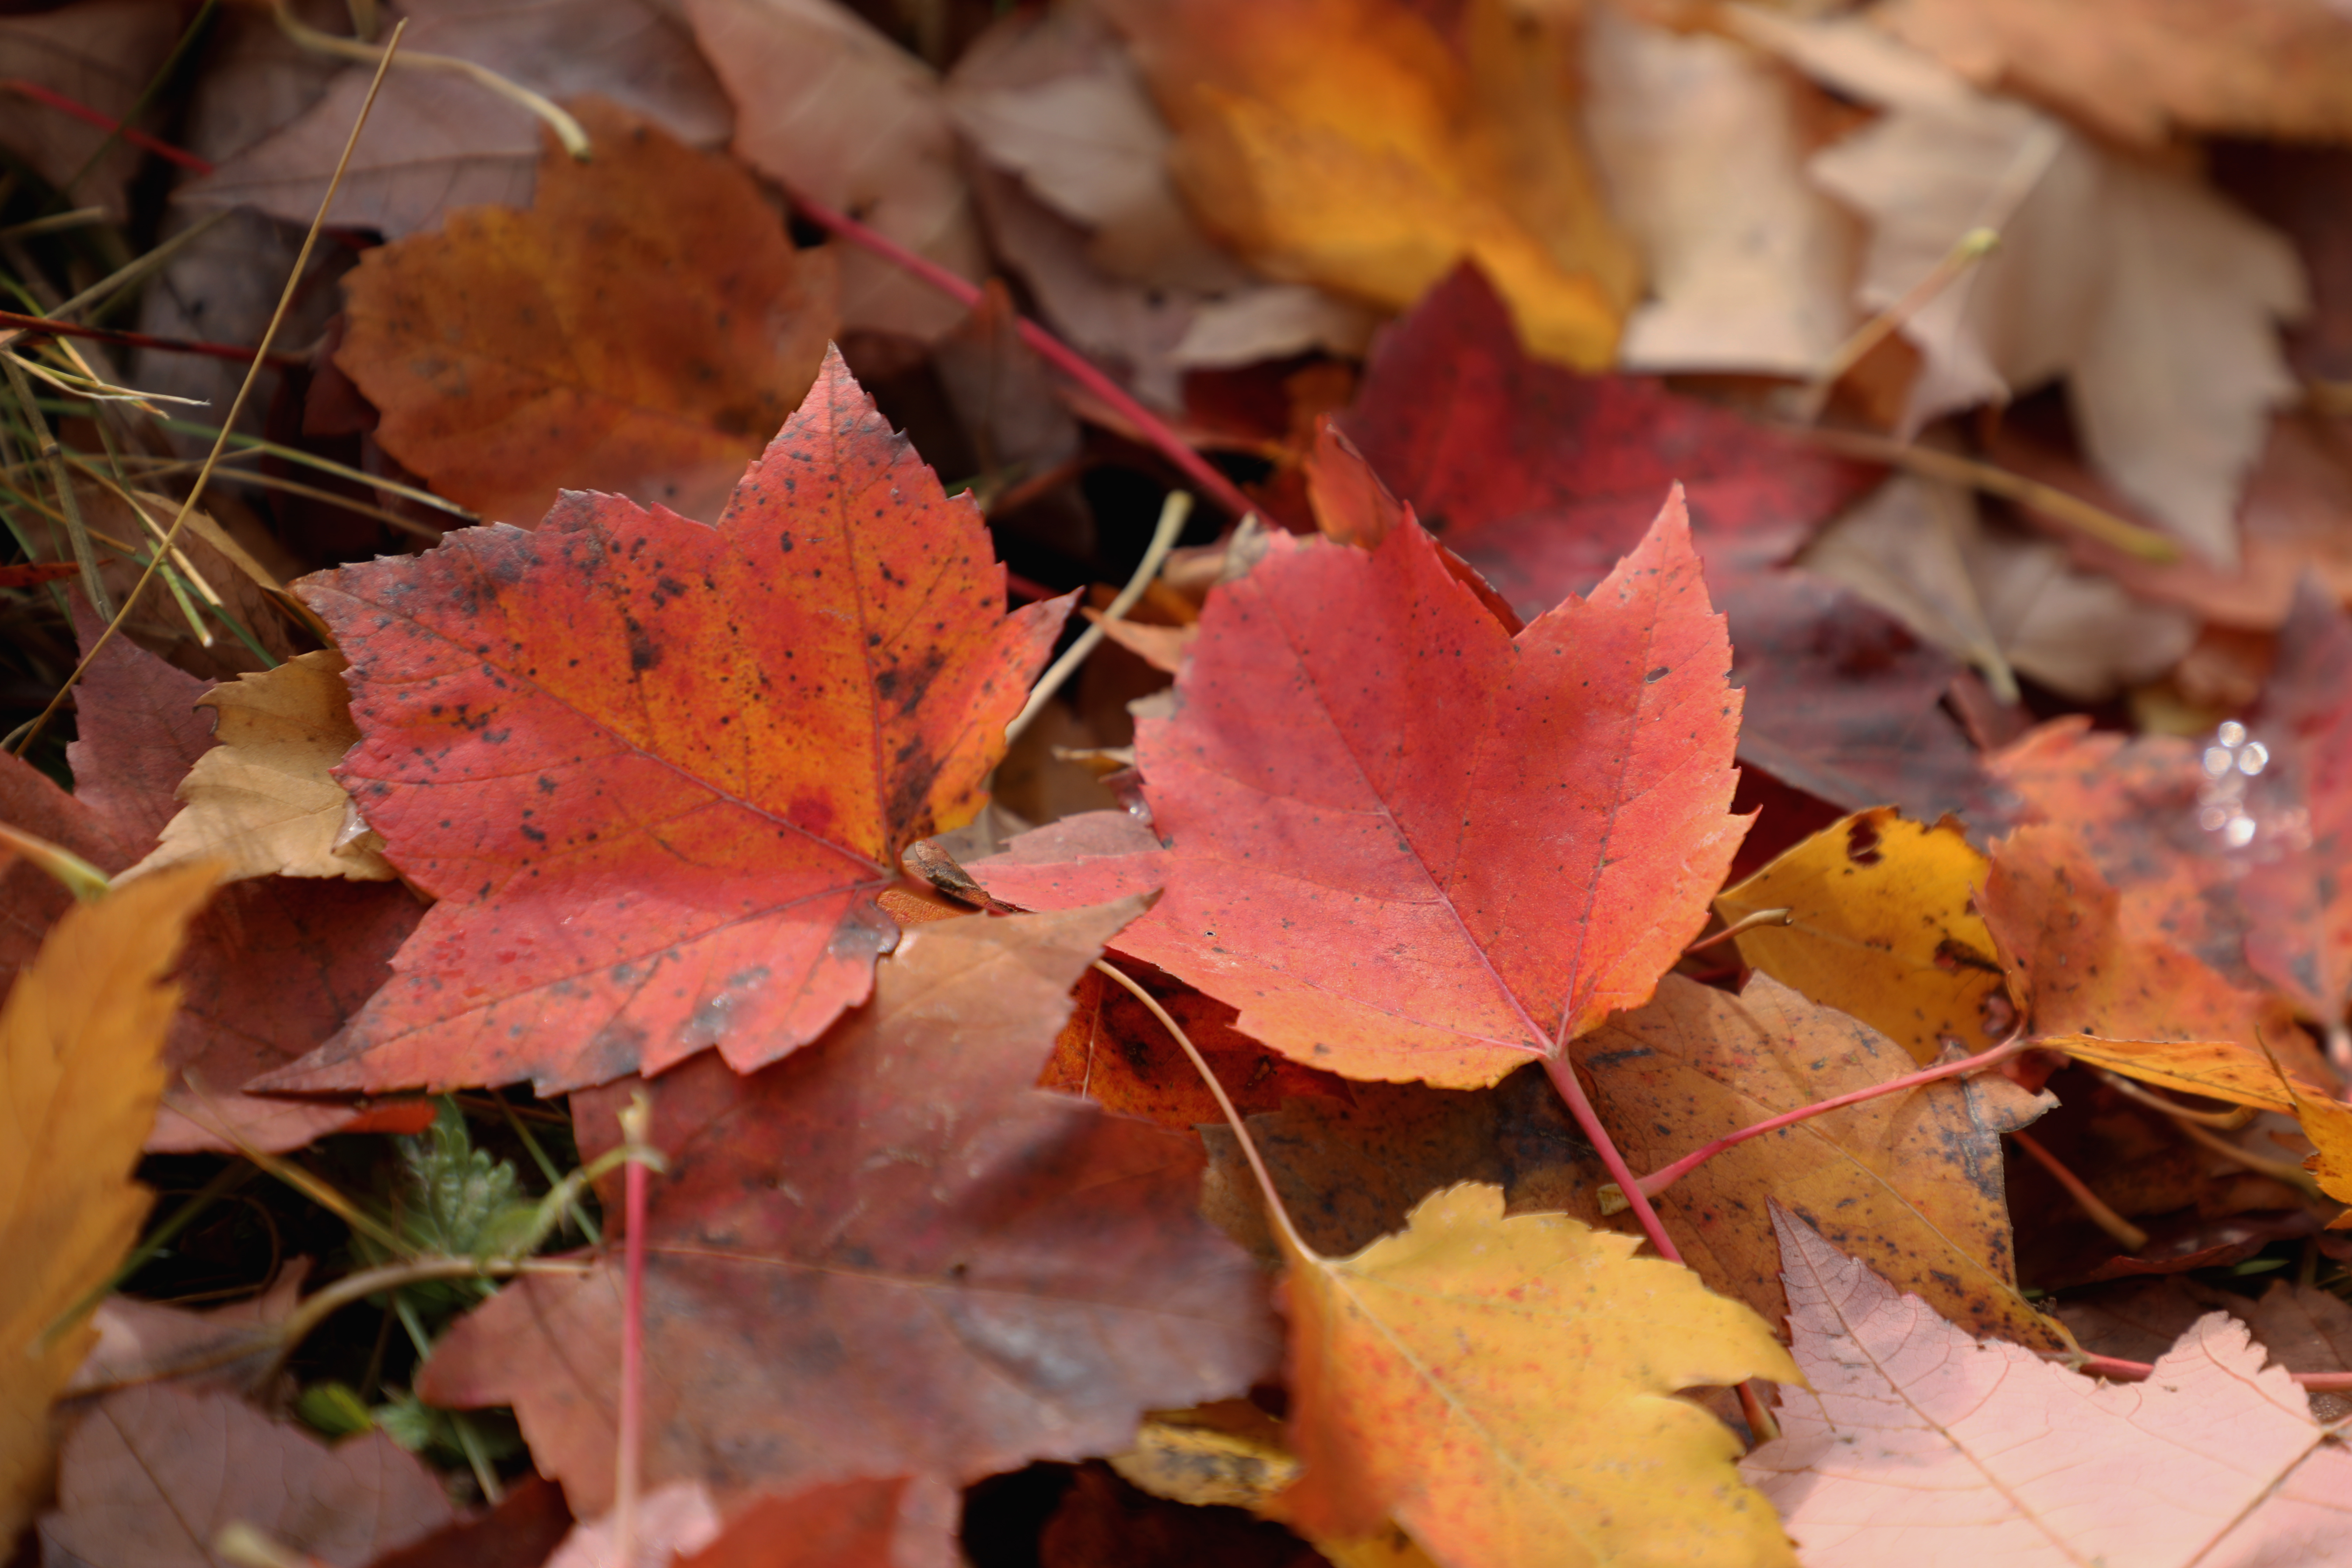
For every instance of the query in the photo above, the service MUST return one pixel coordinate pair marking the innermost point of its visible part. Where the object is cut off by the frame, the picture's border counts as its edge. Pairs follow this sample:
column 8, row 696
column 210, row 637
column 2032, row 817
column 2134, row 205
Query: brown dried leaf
column 1911, row 1181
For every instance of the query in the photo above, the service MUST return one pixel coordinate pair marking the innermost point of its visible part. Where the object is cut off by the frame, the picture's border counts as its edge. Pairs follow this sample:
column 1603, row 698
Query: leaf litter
column 1779, row 681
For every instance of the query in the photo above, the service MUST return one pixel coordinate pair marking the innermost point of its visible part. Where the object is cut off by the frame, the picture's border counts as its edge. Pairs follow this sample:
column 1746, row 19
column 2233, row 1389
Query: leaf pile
column 1689, row 906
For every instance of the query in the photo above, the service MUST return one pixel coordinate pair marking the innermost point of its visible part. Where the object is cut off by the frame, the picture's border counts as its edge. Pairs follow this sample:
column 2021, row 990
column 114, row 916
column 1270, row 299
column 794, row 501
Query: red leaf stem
column 1659, row 1180
column 52, row 98
column 1072, row 363
column 41, row 326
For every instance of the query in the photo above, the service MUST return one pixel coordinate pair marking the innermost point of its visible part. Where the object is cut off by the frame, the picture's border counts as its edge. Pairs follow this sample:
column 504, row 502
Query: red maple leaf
column 1541, row 478
column 888, row 1254
column 654, row 771
column 1405, row 843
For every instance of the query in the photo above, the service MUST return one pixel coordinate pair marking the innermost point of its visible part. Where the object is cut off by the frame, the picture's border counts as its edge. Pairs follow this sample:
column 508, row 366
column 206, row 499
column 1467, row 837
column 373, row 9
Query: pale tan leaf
column 2000, row 598
column 1749, row 264
column 2140, row 71
column 263, row 801
column 434, row 141
column 833, row 110
column 1052, row 99
column 2156, row 302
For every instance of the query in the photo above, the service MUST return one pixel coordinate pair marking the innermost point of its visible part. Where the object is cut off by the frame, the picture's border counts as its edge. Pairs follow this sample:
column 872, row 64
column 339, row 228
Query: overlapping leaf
column 1406, row 844
column 654, row 770
column 82, row 1069
column 1911, row 1182
column 1880, row 925
column 274, row 967
column 264, row 802
column 1916, row 1444
column 1504, row 1389
column 152, row 1475
column 1354, row 144
column 888, row 1254
column 1541, row 478
column 504, row 373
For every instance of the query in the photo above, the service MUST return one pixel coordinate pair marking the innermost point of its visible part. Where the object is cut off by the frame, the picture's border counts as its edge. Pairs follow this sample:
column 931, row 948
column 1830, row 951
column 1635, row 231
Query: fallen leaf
column 889, row 1222
column 2079, row 962
column 152, row 1475
column 230, row 1347
column 274, row 967
column 264, row 800
column 1053, row 98
column 1912, row 1181
column 1697, row 139
column 2001, row 599
column 1503, row 1388
column 2157, row 302
column 100, row 54
column 831, row 109
column 2297, row 898
column 1914, row 1443
column 436, row 142
column 2292, row 519
column 1118, row 1055
column 1880, row 925
column 617, row 751
column 670, row 1523
column 82, row 1047
column 1353, row 1170
column 1351, row 144
column 505, row 371
column 1540, row 478
column 1325, row 816
column 2141, row 70
column 519, row 1532
column 2132, row 803
column 845, row 1524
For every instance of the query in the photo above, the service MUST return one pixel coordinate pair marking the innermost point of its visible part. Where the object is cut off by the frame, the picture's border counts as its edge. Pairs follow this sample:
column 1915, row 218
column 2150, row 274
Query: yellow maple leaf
column 1349, row 143
column 81, row 1071
column 1880, row 927
column 1505, row 1389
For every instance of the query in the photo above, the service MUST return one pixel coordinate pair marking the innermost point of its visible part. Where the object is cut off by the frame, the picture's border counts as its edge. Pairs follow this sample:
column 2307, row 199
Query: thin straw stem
column 1172, row 514
column 236, row 408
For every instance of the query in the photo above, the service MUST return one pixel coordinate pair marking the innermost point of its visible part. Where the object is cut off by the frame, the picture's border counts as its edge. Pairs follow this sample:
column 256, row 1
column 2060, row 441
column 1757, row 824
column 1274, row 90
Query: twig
column 2138, row 1371
column 1172, row 514
column 1658, row 1181
column 567, row 130
column 243, row 392
column 636, row 1125
column 1068, row 360
column 1745, row 922
column 2128, row 1236
column 2228, row 1121
column 51, row 98
column 2073, row 511
column 1273, row 1205
column 316, row 1309
column 42, row 326
column 1970, row 248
